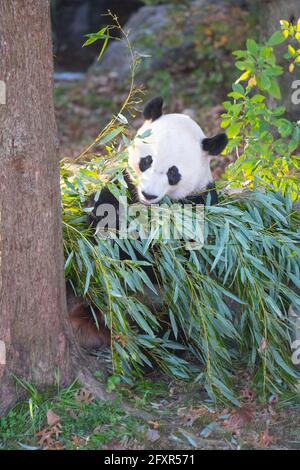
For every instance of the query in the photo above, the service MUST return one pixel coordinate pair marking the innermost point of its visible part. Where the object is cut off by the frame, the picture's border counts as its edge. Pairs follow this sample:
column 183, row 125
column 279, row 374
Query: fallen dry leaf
column 46, row 436
column 265, row 439
column 84, row 396
column 52, row 418
column 240, row 417
column 78, row 441
column 154, row 424
column 56, row 446
column 190, row 415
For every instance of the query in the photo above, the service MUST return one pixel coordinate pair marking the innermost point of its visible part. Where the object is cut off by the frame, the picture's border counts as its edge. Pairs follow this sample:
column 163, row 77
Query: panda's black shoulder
column 107, row 197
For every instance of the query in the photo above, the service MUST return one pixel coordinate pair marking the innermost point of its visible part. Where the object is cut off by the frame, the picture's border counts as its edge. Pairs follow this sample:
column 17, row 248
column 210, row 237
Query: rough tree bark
column 271, row 12
column 33, row 318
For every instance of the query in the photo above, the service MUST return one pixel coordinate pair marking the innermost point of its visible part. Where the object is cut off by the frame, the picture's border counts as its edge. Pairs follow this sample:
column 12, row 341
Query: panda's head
column 171, row 155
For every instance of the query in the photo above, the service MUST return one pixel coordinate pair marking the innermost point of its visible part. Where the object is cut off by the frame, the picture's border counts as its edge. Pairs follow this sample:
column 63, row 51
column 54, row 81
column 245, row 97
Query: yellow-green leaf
column 244, row 75
column 284, row 23
column 234, row 129
column 291, row 49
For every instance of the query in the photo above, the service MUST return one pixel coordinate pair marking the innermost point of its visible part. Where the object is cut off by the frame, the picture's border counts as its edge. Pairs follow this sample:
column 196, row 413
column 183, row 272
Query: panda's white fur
column 175, row 139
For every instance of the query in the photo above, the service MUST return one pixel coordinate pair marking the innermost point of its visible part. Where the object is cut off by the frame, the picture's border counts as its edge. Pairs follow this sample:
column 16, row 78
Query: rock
column 145, row 23
column 73, row 19
column 146, row 34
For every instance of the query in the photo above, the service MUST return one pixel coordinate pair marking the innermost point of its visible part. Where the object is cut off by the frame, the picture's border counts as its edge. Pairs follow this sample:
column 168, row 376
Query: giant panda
column 171, row 159
column 174, row 160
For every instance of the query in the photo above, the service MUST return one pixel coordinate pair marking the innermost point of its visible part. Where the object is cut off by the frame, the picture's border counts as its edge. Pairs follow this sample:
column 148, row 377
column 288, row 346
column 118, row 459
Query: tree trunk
column 271, row 12
column 33, row 320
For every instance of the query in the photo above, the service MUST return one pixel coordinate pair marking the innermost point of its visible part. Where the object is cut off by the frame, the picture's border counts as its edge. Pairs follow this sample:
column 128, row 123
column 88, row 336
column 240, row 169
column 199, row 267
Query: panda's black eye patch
column 145, row 163
column 173, row 175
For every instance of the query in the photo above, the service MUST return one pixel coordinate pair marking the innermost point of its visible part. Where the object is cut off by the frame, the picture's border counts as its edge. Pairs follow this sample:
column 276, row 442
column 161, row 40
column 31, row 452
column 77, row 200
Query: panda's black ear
column 215, row 145
column 153, row 109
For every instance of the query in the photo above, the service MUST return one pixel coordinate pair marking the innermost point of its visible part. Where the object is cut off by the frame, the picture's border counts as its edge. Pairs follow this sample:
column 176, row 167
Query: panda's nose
column 148, row 196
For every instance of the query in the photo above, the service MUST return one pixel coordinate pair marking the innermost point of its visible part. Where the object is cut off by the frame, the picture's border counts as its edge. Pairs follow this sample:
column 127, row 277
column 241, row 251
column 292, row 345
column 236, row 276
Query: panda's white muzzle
column 147, row 198
column 152, row 187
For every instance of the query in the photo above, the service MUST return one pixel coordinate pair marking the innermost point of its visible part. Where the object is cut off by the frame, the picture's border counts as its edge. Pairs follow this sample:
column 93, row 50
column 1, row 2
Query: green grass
column 93, row 424
column 173, row 408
